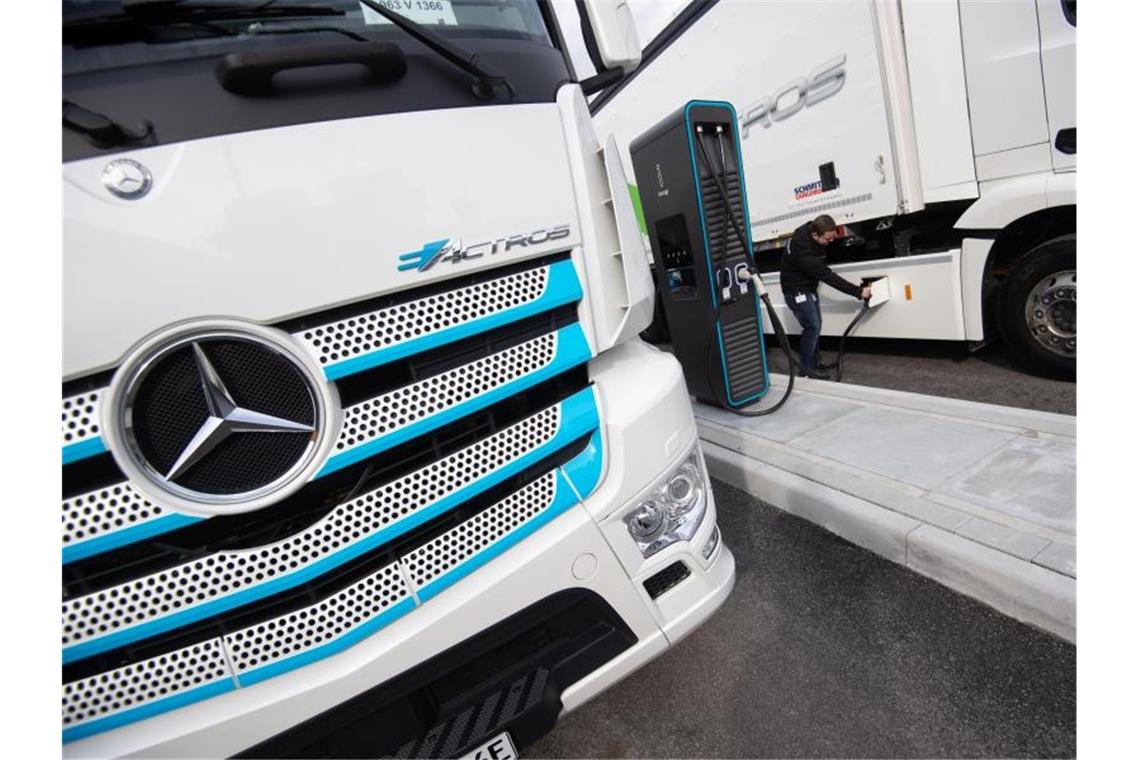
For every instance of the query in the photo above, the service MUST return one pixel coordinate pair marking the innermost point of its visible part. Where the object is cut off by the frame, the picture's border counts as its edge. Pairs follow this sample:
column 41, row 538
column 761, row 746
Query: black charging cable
column 777, row 326
column 843, row 340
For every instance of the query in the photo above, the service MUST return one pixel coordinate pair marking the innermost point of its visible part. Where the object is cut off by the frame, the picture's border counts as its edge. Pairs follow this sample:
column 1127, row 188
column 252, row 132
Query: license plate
column 498, row 748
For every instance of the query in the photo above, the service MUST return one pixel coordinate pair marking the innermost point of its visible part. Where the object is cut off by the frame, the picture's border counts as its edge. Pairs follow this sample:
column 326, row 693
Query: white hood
column 271, row 224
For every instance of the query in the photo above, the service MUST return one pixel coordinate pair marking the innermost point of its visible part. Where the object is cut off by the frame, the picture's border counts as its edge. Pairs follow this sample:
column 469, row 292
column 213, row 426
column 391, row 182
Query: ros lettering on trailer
column 791, row 97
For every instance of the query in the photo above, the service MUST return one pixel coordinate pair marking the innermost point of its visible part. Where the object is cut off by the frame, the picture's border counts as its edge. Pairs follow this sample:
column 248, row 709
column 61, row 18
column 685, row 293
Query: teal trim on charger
column 166, row 704
column 572, row 350
column 564, row 498
column 579, row 417
column 562, row 287
column 73, row 452
column 708, row 253
column 101, row 544
column 585, row 470
column 760, row 333
column 354, row 636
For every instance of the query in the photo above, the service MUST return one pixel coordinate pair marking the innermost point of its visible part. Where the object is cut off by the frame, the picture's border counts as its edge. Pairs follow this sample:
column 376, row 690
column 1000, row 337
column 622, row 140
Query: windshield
column 143, row 73
column 99, row 34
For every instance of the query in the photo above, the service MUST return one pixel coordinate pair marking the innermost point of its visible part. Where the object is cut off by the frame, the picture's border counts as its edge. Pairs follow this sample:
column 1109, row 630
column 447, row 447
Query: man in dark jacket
column 802, row 268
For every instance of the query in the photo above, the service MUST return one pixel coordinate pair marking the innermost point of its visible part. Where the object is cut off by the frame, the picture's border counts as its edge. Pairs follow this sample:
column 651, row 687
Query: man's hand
column 866, row 294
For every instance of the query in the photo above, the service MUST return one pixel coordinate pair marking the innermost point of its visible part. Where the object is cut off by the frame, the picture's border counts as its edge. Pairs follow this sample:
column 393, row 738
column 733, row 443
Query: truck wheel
column 1037, row 310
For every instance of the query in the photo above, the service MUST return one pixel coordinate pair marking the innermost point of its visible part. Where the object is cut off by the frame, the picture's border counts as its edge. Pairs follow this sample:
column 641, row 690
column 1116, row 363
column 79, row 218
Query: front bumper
column 648, row 426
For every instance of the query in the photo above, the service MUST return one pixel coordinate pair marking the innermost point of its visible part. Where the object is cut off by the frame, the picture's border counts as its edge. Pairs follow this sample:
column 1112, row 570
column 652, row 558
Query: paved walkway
column 980, row 497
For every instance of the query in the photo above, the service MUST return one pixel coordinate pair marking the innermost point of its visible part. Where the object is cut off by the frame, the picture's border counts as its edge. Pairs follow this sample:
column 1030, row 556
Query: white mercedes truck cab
column 361, row 453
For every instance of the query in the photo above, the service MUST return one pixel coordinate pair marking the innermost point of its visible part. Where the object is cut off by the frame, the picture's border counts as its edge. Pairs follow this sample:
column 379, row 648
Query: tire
column 1037, row 309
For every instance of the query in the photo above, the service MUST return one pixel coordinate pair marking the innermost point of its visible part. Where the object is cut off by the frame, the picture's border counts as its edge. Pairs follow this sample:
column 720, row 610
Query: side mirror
column 614, row 33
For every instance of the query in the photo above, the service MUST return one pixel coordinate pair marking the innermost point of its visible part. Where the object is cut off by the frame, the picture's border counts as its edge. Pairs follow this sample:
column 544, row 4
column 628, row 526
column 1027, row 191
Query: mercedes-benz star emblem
column 226, row 417
column 127, row 179
column 219, row 419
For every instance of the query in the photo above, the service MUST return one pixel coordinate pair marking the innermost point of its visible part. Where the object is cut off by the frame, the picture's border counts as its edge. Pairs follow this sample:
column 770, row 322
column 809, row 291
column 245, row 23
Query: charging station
column 691, row 182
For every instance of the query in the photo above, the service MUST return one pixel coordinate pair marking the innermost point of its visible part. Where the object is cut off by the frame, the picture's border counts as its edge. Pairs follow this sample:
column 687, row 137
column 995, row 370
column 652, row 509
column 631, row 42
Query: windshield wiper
column 132, row 20
column 256, row 29
column 103, row 131
column 485, row 81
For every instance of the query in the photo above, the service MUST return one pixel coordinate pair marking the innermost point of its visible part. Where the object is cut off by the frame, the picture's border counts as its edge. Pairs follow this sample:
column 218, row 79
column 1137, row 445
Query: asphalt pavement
column 827, row 650
column 944, row 368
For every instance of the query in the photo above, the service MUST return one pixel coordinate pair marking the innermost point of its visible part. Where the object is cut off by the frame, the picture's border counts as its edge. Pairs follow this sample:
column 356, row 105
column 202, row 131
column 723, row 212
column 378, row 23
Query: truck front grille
column 456, row 430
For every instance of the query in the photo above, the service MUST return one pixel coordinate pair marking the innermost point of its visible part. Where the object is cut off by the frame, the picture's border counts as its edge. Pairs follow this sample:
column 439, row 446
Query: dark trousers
column 808, row 315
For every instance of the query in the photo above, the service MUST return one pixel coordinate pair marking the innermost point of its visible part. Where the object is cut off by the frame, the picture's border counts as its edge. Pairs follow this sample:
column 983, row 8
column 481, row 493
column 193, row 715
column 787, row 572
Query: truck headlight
column 672, row 509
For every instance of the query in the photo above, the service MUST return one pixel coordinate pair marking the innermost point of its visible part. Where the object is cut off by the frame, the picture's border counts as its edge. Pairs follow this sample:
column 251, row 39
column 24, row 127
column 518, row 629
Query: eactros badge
column 127, row 179
column 225, row 419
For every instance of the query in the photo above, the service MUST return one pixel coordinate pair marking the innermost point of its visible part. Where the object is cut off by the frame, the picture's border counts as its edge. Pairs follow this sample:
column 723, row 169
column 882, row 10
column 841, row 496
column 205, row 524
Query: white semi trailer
column 941, row 134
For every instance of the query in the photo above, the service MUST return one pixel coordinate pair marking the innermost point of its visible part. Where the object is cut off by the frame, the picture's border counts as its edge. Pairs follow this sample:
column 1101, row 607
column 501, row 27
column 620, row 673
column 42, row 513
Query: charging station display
column 688, row 170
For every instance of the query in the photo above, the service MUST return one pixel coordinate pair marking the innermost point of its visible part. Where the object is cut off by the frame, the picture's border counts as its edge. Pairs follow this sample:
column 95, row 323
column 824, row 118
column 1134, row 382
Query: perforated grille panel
column 318, row 624
column 397, row 324
column 106, row 510
column 379, row 416
column 224, row 661
column 143, row 682
column 225, row 573
column 81, row 417
column 433, row 559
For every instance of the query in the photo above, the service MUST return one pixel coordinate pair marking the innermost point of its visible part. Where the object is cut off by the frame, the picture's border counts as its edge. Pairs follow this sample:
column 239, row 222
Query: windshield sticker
column 431, row 12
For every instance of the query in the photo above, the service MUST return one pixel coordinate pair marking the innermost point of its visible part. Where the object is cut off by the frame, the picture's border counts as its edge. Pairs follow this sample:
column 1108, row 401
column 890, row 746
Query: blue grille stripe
column 138, row 532
column 585, row 470
column 73, row 452
column 572, row 350
column 562, row 287
column 349, row 638
column 579, row 417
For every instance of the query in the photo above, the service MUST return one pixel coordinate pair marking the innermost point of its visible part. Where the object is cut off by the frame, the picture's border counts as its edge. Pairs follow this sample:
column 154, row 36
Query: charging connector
column 743, row 274
column 724, row 282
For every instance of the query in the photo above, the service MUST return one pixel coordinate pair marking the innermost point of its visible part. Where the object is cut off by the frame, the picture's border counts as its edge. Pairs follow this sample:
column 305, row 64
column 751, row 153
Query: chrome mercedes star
column 226, row 418
column 127, row 179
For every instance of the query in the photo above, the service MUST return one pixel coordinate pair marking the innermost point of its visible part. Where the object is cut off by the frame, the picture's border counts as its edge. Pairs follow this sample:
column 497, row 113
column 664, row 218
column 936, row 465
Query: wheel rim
column 1051, row 312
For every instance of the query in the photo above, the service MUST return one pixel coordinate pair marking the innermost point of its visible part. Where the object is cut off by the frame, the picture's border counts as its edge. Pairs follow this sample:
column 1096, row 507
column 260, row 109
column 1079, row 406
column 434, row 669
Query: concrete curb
column 1027, row 592
column 959, row 409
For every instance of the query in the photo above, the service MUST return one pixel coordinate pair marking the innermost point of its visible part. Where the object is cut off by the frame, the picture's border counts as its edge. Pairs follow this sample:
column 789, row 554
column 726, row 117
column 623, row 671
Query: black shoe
column 826, row 365
column 817, row 374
